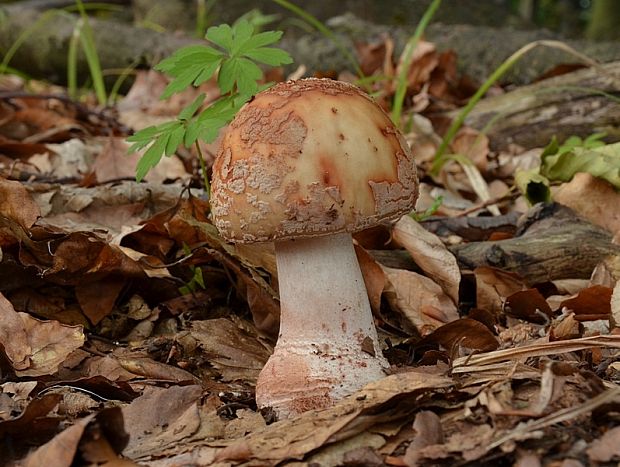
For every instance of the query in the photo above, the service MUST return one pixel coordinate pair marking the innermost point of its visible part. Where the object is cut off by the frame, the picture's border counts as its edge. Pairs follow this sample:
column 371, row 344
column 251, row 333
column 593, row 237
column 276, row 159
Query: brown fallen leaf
column 429, row 252
column 593, row 198
column 428, row 431
column 528, row 305
column 236, row 353
column 50, row 343
column 17, row 204
column 13, row 337
column 419, row 299
column 464, row 333
column 493, row 286
column 60, row 450
column 590, row 304
column 160, row 417
column 606, row 448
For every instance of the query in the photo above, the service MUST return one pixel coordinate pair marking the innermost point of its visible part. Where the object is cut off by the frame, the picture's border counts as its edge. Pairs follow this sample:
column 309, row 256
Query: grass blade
column 401, row 89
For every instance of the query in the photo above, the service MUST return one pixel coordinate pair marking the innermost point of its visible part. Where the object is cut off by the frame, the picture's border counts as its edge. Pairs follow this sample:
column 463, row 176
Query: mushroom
column 305, row 164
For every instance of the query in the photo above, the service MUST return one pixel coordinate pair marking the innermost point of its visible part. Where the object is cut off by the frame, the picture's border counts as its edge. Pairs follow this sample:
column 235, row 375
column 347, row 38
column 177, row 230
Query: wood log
column 552, row 243
column 580, row 103
column 44, row 53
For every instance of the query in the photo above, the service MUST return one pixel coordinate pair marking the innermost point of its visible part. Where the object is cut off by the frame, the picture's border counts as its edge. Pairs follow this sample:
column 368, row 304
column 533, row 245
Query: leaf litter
column 107, row 362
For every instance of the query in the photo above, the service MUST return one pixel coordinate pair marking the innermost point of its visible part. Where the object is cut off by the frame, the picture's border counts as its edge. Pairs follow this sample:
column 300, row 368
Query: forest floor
column 132, row 334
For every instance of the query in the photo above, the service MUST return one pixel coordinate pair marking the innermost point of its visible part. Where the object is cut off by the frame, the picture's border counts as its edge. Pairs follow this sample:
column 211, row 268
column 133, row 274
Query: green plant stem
column 412, row 43
column 87, row 39
column 72, row 60
column 319, row 26
column 203, row 167
column 457, row 123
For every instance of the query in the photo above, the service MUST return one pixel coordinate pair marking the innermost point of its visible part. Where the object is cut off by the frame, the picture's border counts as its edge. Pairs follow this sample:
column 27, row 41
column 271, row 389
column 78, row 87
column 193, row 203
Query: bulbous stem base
column 327, row 347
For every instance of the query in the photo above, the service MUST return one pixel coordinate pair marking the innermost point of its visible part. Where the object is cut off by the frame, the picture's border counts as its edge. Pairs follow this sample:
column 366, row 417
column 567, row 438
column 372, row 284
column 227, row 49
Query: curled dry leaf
column 419, row 299
column 374, row 277
column 590, row 304
column 430, row 254
column 528, row 305
column 13, row 337
column 463, row 333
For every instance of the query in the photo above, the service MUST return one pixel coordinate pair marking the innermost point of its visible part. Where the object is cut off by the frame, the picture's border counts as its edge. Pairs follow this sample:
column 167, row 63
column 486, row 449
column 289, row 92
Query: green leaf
column 242, row 32
column 602, row 162
column 221, row 35
column 151, row 157
column 533, row 185
column 269, row 56
column 260, row 40
column 174, row 140
column 242, row 72
column 189, row 111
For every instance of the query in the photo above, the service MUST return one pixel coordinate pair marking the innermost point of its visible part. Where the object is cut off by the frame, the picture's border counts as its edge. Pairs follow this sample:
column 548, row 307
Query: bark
column 44, row 52
column 578, row 103
column 553, row 243
column 120, row 45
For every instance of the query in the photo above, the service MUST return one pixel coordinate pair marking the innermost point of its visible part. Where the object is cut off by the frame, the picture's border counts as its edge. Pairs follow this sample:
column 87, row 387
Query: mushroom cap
column 307, row 158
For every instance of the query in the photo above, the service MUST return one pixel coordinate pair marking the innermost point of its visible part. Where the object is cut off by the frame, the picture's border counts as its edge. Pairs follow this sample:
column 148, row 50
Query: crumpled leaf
column 428, row 251
column 602, row 162
column 50, row 343
column 16, row 204
column 236, row 353
column 419, row 299
column 13, row 337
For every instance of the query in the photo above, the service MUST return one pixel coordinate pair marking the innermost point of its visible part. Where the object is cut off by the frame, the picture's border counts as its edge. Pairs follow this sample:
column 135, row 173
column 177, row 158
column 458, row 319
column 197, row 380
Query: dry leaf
column 528, row 305
column 590, row 304
column 50, row 343
column 606, row 448
column 419, row 299
column 13, row 337
column 430, row 254
column 236, row 353
column 61, row 449
column 493, row 286
column 593, row 198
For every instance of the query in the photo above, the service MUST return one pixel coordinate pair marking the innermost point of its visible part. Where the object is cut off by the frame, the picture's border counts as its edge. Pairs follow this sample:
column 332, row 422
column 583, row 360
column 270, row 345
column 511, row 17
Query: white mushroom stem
column 327, row 347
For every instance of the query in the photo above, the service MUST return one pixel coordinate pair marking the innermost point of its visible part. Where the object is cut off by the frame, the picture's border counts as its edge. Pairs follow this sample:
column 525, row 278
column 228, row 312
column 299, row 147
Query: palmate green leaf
column 189, row 111
column 190, row 65
column 242, row 32
column 240, row 71
column 260, row 40
column 152, row 156
column 221, row 35
column 269, row 56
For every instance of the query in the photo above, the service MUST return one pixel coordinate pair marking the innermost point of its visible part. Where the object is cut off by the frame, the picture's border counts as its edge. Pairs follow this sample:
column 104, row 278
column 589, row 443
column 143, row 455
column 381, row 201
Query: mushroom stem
column 328, row 346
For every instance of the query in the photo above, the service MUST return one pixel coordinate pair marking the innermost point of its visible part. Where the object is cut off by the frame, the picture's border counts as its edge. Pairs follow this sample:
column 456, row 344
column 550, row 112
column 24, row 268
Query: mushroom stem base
column 328, row 346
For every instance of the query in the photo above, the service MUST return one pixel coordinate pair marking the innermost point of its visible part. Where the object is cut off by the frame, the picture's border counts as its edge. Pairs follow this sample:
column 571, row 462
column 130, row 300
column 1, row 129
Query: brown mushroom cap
column 310, row 157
